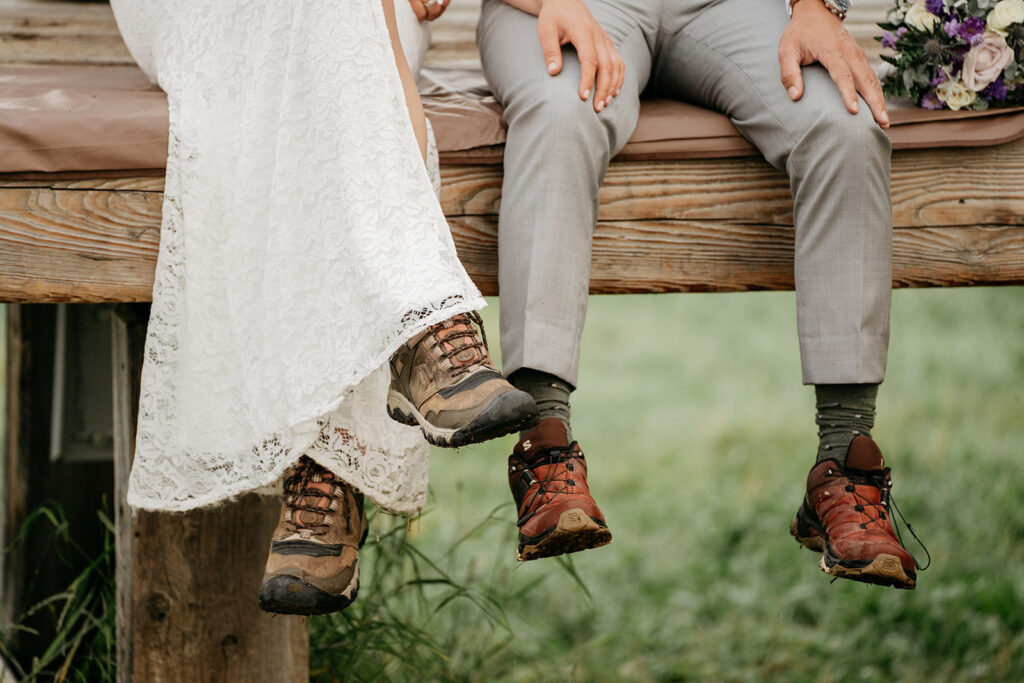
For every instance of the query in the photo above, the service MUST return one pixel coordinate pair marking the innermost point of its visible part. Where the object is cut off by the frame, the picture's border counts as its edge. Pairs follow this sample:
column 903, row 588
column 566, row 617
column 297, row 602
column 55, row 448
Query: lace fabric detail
column 301, row 244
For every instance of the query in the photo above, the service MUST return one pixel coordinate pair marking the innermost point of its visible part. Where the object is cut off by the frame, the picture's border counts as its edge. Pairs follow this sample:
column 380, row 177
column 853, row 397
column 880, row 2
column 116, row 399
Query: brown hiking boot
column 313, row 566
column 443, row 380
column 548, row 478
column 845, row 515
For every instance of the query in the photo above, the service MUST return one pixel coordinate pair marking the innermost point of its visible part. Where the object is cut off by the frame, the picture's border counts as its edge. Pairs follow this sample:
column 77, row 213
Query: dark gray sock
column 845, row 411
column 550, row 392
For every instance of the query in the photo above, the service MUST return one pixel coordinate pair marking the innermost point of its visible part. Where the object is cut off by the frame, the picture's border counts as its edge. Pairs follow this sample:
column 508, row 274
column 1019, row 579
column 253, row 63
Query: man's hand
column 561, row 22
column 425, row 10
column 816, row 35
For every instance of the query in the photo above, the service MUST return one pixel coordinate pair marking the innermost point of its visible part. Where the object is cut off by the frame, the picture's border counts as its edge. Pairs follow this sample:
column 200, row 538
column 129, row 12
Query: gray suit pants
column 721, row 54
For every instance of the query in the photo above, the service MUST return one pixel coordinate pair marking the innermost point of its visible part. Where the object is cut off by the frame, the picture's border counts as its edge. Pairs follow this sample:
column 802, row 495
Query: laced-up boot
column 846, row 516
column 548, row 478
column 313, row 564
column 443, row 380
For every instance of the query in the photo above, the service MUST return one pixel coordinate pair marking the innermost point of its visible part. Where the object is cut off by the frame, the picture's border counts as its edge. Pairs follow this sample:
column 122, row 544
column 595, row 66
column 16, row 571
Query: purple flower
column 996, row 90
column 889, row 40
column 931, row 101
column 972, row 30
column 939, row 80
column 935, row 6
column 952, row 27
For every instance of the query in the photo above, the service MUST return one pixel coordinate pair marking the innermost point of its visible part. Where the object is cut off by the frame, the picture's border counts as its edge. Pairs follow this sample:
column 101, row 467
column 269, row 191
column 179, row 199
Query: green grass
column 699, row 436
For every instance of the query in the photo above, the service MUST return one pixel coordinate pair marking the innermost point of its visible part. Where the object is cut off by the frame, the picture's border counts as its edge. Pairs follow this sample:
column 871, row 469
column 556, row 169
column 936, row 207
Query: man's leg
column 556, row 155
column 723, row 53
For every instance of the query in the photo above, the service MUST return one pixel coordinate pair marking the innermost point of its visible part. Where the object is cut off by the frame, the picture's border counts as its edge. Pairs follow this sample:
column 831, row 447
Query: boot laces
column 298, row 489
column 553, row 456
column 459, row 334
column 881, row 480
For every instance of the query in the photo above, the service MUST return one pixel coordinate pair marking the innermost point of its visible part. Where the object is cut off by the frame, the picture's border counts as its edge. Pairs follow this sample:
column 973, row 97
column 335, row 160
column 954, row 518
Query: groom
column 789, row 78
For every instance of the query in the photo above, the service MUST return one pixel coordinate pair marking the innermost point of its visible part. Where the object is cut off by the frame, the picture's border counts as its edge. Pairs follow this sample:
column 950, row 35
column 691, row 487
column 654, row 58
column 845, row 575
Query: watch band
column 836, row 7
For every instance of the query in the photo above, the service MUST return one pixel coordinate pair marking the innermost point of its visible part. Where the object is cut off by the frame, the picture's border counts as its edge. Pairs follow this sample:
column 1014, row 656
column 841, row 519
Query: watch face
column 841, row 5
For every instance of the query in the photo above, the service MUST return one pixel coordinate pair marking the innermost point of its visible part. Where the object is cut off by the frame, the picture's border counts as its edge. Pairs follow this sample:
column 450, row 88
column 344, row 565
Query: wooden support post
column 187, row 582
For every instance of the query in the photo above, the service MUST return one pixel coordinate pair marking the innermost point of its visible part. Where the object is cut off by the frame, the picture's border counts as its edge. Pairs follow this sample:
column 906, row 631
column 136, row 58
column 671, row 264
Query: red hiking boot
column 845, row 515
column 548, row 478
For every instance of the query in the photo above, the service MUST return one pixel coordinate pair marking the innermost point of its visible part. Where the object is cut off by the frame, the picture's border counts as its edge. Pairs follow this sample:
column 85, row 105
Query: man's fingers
column 870, row 89
column 604, row 88
column 549, row 43
column 841, row 75
column 588, row 67
column 619, row 69
column 789, row 67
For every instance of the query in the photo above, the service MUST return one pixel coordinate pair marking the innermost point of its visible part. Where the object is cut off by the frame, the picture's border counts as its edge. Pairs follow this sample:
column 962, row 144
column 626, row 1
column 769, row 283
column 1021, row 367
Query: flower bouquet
column 956, row 54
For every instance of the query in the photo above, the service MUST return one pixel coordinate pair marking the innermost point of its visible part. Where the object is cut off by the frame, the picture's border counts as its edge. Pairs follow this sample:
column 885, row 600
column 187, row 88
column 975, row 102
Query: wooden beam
column 705, row 225
column 187, row 582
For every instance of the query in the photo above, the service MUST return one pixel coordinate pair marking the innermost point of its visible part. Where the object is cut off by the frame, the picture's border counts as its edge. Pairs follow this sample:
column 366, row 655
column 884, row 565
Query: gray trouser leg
column 724, row 54
column 556, row 156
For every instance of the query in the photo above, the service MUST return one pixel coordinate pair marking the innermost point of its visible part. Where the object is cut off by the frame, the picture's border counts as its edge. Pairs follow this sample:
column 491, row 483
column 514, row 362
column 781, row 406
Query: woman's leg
column 412, row 95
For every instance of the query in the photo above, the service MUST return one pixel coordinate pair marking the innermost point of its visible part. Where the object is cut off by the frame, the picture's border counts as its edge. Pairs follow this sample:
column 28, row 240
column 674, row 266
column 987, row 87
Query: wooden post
column 187, row 582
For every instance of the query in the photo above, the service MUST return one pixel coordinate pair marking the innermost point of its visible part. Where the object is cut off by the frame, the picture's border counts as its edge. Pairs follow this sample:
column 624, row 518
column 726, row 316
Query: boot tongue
column 550, row 433
column 864, row 455
column 459, row 334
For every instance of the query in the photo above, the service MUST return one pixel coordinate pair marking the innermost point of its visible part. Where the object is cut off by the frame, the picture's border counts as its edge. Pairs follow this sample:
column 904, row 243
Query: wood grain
column 195, row 616
column 974, row 186
column 707, row 225
column 691, row 256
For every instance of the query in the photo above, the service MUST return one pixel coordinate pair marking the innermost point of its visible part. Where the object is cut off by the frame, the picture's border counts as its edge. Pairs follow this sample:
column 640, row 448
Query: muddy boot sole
column 884, row 570
column 284, row 594
column 512, row 411
column 575, row 531
column 807, row 534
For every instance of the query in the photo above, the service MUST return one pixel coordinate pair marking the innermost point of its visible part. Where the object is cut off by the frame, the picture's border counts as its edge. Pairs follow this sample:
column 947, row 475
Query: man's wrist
column 838, row 8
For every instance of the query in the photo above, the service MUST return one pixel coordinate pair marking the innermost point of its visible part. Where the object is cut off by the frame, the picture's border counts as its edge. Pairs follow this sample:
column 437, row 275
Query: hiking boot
column 313, row 566
column 443, row 380
column 548, row 478
column 845, row 515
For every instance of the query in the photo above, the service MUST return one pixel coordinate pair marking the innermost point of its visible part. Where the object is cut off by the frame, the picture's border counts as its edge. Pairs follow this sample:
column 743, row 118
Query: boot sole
column 808, row 535
column 575, row 531
column 510, row 412
column 286, row 594
column 884, row 570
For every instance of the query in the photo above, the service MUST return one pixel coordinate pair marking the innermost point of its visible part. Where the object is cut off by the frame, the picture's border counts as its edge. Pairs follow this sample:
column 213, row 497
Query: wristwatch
column 836, row 7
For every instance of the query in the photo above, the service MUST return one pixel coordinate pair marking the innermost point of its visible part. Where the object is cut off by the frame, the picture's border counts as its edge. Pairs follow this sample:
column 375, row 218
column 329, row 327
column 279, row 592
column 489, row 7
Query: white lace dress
column 301, row 243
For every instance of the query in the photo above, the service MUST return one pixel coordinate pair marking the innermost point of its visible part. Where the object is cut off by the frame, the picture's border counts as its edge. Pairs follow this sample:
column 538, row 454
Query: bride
column 309, row 308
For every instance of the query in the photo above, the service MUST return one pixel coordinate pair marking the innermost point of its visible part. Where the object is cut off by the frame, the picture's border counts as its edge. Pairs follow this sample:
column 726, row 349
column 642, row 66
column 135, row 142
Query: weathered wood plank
column 74, row 239
column 692, row 256
column 985, row 186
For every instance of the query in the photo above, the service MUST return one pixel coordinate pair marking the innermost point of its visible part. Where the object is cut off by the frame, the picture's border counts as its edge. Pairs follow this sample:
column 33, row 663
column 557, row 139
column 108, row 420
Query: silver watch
column 836, row 7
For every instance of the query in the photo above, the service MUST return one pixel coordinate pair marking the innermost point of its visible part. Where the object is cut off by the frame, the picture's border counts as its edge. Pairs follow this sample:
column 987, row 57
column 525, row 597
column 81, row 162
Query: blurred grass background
column 699, row 435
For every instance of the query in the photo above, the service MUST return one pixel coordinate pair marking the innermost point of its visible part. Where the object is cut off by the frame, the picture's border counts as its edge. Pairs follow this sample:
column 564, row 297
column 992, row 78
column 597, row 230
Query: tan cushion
column 94, row 118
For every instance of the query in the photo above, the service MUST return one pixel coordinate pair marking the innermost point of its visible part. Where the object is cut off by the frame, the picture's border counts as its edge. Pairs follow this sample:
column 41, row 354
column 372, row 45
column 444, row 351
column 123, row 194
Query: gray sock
column 845, row 411
column 550, row 392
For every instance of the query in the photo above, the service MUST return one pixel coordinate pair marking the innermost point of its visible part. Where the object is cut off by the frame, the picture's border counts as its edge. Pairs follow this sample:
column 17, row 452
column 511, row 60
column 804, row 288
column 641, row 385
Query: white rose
column 955, row 94
column 921, row 19
column 986, row 61
column 1005, row 13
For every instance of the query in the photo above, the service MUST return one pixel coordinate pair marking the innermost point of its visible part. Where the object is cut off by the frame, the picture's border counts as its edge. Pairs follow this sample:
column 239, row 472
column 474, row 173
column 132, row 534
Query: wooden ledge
column 664, row 226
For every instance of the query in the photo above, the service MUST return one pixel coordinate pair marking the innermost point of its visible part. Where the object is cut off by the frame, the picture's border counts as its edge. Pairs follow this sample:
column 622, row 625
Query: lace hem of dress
column 322, row 438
